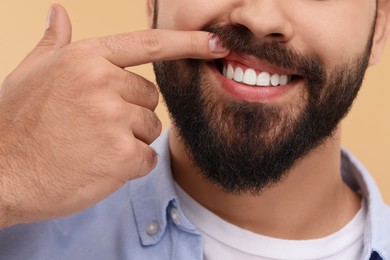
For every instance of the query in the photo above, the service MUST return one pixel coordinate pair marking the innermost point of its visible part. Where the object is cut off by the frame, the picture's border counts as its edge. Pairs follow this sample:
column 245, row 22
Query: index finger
column 140, row 47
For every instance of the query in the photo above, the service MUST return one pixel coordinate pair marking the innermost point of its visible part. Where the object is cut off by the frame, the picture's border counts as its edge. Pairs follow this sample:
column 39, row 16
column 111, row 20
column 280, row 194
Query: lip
column 253, row 94
column 259, row 65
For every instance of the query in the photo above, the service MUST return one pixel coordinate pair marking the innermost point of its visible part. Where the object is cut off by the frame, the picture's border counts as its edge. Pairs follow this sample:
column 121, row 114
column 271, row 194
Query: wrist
column 8, row 214
column 6, row 217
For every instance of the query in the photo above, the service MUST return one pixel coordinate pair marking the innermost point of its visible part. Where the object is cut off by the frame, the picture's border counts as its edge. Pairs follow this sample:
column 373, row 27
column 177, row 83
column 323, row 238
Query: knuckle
column 152, row 124
column 125, row 151
column 150, row 157
column 142, row 88
column 140, row 159
column 128, row 149
column 112, row 111
column 151, row 42
column 117, row 42
column 152, row 92
column 98, row 76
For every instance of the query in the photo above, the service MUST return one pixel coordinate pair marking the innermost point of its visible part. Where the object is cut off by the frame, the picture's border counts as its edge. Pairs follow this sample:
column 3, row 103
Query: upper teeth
column 250, row 77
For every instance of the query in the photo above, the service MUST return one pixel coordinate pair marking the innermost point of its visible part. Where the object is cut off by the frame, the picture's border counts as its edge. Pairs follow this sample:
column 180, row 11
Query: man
column 251, row 168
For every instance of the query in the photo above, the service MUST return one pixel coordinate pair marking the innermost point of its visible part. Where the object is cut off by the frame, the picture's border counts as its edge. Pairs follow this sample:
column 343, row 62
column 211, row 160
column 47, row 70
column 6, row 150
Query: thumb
column 57, row 35
column 58, row 29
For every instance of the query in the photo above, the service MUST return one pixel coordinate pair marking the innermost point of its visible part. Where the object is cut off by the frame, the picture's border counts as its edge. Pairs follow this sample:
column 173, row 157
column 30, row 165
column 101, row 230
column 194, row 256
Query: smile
column 250, row 79
column 255, row 78
column 252, row 72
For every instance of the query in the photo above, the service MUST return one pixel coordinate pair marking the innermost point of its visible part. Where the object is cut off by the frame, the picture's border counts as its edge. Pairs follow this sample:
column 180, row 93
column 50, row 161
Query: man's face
column 294, row 69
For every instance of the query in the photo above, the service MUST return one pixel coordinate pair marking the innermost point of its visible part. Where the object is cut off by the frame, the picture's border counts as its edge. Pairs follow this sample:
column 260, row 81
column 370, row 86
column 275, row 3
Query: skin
column 74, row 125
column 312, row 201
column 73, row 122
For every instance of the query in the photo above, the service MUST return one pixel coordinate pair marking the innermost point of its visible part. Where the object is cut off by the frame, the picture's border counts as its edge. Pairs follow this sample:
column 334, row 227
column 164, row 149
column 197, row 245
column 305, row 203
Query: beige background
column 23, row 22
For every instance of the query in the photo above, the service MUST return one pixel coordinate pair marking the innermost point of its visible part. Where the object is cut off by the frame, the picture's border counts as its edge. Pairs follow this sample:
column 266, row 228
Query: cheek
column 334, row 30
column 336, row 34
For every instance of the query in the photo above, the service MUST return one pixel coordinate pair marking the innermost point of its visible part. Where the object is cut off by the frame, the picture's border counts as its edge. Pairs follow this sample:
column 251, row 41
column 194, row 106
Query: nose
column 266, row 19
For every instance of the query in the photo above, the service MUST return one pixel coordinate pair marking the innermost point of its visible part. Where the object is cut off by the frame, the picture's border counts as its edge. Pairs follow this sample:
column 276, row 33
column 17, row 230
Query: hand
column 74, row 125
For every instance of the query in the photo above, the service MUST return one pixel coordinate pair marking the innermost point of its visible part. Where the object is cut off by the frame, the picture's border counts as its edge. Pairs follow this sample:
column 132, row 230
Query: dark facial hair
column 247, row 147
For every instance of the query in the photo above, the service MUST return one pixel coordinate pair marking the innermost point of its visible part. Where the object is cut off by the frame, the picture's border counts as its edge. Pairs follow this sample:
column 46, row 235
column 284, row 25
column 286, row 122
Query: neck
column 311, row 202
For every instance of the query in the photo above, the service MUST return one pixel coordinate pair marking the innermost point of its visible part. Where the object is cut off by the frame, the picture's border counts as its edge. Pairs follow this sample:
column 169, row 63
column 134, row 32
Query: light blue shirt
column 143, row 220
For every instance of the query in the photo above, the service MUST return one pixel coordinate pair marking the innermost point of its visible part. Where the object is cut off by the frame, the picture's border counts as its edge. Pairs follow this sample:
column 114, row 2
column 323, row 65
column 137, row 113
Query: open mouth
column 253, row 76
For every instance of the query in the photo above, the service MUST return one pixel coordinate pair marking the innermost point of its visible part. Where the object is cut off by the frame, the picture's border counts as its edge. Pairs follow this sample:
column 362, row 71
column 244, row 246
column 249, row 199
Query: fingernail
column 50, row 18
column 216, row 46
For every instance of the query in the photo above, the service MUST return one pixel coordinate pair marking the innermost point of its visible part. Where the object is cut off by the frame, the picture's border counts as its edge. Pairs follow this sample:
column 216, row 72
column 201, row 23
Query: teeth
column 238, row 75
column 283, row 79
column 250, row 77
column 275, row 79
column 264, row 79
column 230, row 72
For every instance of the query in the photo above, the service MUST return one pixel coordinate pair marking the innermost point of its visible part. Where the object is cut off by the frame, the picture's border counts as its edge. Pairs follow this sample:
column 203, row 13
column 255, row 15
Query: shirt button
column 175, row 216
column 152, row 228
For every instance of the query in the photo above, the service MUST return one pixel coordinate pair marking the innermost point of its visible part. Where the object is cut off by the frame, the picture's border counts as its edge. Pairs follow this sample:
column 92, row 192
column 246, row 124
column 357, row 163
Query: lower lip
column 244, row 92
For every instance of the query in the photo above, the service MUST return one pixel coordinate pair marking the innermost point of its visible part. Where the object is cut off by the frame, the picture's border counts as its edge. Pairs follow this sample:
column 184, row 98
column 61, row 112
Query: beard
column 247, row 147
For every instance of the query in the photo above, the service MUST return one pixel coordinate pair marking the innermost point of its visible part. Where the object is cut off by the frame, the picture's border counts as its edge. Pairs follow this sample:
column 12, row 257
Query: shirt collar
column 377, row 231
column 154, row 195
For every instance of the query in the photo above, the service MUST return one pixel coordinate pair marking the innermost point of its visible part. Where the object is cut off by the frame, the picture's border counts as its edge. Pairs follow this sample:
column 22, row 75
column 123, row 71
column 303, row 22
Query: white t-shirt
column 225, row 241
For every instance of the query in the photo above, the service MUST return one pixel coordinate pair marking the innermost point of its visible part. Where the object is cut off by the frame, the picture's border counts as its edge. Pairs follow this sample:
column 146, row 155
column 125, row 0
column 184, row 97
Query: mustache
column 240, row 40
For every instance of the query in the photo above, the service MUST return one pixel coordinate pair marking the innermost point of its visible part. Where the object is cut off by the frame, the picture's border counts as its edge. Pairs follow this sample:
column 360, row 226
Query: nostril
column 276, row 35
